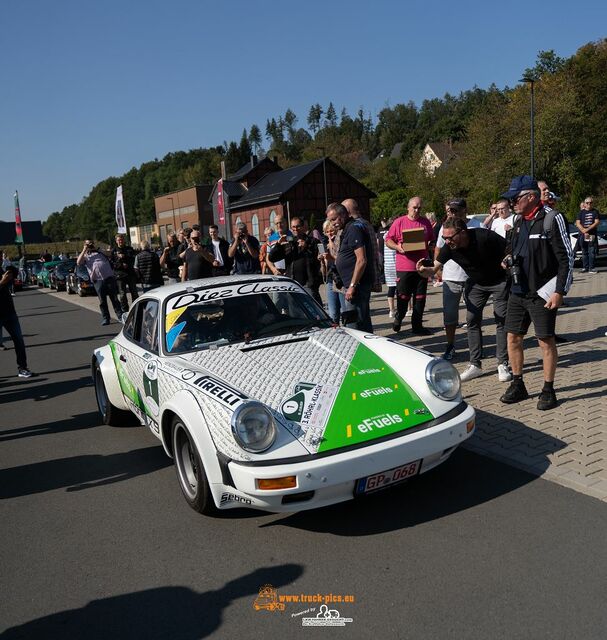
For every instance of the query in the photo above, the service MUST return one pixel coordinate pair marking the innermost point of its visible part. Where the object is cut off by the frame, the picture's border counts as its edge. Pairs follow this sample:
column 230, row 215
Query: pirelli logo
column 214, row 388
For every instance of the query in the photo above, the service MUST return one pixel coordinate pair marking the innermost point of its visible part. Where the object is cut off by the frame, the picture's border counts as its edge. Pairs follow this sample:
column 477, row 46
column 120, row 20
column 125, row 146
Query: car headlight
column 443, row 379
column 253, row 427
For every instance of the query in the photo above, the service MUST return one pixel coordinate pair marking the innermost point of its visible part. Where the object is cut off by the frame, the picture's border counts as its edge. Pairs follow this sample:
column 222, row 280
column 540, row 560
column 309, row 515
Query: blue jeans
column 588, row 254
column 10, row 322
column 336, row 301
column 361, row 302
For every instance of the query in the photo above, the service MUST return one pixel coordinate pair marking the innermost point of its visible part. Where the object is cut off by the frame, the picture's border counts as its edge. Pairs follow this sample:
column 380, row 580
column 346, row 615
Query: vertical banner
column 120, row 217
column 220, row 204
column 18, row 229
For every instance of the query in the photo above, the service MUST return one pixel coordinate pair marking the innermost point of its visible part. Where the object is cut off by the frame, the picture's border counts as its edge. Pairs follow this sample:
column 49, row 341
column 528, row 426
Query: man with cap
column 540, row 259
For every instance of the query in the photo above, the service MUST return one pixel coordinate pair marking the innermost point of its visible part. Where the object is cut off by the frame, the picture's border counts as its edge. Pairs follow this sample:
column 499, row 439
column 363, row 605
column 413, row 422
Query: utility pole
column 531, row 80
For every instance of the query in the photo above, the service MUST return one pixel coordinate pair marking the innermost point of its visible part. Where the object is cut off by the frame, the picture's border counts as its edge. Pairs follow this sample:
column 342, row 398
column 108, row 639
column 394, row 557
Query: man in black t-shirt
column 10, row 321
column 244, row 250
column 587, row 223
column 355, row 252
column 479, row 252
column 197, row 261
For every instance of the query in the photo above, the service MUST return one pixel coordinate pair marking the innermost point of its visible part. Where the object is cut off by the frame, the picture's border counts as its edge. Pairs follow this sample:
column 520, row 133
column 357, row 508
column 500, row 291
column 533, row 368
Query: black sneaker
column 516, row 392
column 421, row 331
column 104, row 323
column 25, row 373
column 449, row 352
column 560, row 339
column 396, row 322
column 547, row 400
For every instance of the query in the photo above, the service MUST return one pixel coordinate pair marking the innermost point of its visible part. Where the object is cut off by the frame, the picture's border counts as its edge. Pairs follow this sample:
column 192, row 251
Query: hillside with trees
column 487, row 128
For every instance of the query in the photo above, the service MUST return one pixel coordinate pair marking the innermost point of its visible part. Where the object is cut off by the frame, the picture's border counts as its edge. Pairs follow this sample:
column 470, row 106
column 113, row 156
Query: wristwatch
column 353, row 285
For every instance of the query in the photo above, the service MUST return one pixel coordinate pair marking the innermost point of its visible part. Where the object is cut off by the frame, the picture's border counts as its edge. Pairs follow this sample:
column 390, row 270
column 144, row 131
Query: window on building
column 272, row 218
column 255, row 226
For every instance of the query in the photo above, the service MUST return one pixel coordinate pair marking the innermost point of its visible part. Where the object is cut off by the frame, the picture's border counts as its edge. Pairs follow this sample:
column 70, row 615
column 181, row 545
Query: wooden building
column 258, row 192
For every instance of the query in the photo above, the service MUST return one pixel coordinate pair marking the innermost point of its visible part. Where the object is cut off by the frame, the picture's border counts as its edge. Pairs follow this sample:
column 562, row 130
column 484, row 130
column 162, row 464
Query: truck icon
column 268, row 599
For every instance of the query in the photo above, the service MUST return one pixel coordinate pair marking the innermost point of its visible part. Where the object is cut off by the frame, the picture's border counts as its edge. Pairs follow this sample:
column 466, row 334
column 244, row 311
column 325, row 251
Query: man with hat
column 540, row 259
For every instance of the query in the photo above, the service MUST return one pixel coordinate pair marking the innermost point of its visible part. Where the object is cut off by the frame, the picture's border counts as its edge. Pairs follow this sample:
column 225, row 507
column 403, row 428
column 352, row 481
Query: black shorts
column 522, row 310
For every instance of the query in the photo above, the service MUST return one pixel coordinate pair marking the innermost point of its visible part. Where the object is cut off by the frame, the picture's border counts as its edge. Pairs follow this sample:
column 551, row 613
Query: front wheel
column 110, row 414
column 192, row 478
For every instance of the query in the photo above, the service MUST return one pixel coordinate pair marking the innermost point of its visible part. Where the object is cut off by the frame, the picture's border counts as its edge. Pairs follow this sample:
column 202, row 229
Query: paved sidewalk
column 567, row 445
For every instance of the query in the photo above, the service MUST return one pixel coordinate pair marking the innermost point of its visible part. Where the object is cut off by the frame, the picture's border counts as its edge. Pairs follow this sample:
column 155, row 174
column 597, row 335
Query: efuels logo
column 378, row 391
column 379, row 422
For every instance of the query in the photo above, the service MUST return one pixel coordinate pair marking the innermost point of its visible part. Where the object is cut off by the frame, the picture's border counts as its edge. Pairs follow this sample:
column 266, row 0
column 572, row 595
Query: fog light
column 288, row 482
column 469, row 426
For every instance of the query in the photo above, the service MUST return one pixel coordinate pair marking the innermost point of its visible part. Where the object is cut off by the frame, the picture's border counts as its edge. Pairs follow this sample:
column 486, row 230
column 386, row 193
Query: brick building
column 183, row 209
column 259, row 191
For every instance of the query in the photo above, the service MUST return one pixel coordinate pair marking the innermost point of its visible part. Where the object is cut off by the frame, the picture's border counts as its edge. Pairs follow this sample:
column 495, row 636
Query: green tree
column 331, row 116
column 314, row 117
column 255, row 138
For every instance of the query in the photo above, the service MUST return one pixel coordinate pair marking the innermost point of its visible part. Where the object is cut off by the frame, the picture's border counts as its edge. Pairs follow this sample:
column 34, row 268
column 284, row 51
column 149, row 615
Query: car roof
column 161, row 293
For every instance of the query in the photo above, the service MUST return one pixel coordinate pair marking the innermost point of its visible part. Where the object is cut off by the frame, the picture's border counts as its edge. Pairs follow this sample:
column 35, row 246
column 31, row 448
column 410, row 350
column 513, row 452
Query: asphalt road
column 97, row 541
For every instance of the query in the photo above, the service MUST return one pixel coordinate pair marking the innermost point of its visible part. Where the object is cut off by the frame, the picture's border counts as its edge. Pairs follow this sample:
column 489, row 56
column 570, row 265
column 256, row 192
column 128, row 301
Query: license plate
column 388, row 478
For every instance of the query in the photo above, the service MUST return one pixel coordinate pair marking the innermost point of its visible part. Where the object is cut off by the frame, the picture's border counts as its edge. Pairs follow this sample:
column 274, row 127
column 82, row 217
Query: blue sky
column 91, row 89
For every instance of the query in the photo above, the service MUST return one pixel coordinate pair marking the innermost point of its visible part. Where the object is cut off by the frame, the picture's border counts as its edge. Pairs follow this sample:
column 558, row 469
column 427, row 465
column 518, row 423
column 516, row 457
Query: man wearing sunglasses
column 197, row 261
column 541, row 265
column 587, row 223
column 479, row 252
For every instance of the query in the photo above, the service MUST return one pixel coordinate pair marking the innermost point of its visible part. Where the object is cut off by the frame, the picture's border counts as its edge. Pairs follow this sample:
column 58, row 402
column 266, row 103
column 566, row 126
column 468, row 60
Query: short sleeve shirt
column 409, row 260
column 353, row 236
column 482, row 259
column 451, row 270
column 244, row 262
column 587, row 218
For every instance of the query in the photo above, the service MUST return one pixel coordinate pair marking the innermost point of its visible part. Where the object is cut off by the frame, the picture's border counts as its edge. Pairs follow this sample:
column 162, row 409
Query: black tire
column 69, row 290
column 110, row 414
column 191, row 475
column 80, row 291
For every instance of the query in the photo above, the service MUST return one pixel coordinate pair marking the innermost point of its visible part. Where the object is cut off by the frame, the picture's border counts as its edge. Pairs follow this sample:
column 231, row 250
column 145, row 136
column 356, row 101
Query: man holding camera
column 479, row 252
column 540, row 259
column 123, row 261
column 244, row 250
column 101, row 275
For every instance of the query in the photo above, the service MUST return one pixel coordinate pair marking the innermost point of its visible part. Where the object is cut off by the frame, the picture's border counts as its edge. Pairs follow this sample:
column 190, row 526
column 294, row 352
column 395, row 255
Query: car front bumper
column 332, row 478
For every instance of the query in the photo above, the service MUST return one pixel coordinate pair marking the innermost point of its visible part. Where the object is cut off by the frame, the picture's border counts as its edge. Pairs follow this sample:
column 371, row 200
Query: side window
column 129, row 325
column 148, row 333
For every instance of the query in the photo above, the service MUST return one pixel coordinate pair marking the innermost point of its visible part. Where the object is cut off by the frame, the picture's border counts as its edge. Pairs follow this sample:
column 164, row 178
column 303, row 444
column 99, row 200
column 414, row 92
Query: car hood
column 330, row 387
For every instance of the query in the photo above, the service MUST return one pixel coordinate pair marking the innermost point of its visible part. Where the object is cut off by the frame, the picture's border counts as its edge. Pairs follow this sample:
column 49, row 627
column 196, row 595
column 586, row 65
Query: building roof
column 273, row 185
column 442, row 150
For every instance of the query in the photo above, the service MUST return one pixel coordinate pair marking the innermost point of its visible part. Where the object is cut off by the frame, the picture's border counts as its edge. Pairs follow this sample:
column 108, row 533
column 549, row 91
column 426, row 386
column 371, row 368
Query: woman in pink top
column 408, row 282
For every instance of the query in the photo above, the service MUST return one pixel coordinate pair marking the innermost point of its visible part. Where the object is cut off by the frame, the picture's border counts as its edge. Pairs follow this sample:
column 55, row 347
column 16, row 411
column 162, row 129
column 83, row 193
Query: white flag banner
column 120, row 217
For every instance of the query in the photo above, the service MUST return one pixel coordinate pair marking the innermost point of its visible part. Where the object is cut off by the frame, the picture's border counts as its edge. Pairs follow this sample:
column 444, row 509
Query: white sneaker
column 503, row 373
column 471, row 372
column 409, row 313
column 391, row 314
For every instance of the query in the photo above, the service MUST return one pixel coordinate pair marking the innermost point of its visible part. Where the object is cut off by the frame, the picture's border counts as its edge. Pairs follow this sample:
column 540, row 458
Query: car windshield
column 64, row 268
column 227, row 314
column 81, row 272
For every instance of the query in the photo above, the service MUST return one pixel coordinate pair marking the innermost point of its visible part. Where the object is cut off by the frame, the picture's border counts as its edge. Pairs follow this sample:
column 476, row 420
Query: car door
column 138, row 356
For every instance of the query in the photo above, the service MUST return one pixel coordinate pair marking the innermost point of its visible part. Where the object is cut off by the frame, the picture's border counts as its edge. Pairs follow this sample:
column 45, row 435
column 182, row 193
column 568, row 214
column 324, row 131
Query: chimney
column 223, row 170
column 253, row 161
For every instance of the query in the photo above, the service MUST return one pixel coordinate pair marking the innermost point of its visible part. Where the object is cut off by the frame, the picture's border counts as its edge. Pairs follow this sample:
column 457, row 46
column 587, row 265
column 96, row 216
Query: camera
column 514, row 268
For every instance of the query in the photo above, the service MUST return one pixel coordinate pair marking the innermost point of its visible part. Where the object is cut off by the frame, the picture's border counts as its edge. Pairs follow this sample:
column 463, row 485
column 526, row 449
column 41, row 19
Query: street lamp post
column 531, row 80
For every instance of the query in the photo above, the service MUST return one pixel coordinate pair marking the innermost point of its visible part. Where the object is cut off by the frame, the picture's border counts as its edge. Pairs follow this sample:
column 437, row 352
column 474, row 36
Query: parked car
column 78, row 281
column 44, row 273
column 58, row 276
column 263, row 403
column 33, row 268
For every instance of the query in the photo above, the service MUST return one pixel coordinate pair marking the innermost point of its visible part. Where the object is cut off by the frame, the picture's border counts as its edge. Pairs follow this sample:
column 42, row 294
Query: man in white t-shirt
column 505, row 218
column 454, row 277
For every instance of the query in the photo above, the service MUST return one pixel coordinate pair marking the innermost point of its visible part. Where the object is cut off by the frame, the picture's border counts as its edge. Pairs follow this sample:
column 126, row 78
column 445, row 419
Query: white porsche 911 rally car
column 263, row 403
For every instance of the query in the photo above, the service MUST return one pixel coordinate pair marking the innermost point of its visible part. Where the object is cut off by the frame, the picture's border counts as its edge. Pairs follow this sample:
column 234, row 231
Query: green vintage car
column 44, row 273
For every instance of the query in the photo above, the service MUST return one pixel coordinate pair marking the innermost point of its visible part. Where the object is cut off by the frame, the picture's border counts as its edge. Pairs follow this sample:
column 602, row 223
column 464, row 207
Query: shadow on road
column 80, row 472
column 38, row 392
column 75, row 423
column 464, row 481
column 177, row 613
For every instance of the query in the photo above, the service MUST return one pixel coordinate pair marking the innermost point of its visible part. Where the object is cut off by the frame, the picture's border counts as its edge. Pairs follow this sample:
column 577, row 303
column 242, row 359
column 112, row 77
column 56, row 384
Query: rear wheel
column 110, row 414
column 80, row 290
column 192, row 478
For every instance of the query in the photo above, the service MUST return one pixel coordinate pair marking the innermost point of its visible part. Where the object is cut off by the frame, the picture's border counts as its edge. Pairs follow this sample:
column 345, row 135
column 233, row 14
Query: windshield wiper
column 307, row 326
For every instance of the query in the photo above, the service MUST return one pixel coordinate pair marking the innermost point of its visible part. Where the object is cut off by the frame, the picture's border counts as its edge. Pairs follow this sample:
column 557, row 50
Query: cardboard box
column 414, row 239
